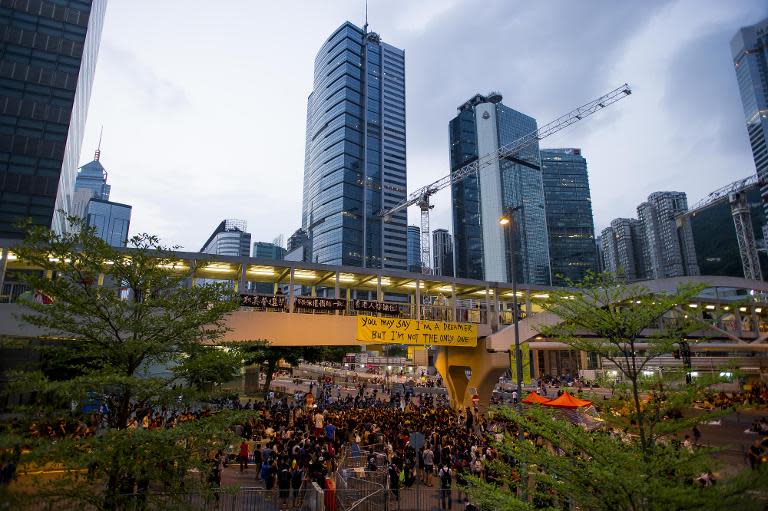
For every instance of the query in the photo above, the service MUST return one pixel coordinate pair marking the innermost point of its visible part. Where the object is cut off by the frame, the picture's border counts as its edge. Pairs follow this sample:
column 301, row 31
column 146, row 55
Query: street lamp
column 507, row 222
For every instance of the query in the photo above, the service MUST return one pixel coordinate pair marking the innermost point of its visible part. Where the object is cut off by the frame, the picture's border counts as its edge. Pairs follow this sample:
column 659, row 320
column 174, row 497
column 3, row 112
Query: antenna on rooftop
column 365, row 27
column 98, row 147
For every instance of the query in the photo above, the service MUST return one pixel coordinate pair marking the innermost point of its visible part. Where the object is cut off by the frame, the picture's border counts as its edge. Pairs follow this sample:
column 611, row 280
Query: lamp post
column 507, row 221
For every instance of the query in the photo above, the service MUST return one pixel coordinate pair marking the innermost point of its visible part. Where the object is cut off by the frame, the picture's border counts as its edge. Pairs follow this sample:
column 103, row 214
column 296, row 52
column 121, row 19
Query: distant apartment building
column 414, row 248
column 230, row 239
column 442, row 253
column 568, row 205
column 622, row 248
column 668, row 243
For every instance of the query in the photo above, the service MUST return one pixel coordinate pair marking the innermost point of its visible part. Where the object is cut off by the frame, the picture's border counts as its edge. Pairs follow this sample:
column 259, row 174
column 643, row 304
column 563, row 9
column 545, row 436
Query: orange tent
column 535, row 399
column 567, row 401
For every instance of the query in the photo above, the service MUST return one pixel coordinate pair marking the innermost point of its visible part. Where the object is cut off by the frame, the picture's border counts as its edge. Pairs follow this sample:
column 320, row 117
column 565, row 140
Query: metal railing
column 12, row 290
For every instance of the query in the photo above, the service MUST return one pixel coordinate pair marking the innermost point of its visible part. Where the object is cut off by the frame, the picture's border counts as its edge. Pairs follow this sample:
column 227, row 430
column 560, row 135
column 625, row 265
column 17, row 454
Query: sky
column 203, row 104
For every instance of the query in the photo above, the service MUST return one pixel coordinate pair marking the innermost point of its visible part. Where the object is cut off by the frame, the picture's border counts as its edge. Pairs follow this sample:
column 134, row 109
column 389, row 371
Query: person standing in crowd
column 297, row 481
column 445, row 476
column 470, row 420
column 429, row 462
column 243, row 456
column 284, row 483
column 394, row 480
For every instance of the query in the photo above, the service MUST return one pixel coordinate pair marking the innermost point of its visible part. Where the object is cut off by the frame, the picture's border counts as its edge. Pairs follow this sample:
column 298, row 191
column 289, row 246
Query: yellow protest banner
column 526, row 358
column 373, row 330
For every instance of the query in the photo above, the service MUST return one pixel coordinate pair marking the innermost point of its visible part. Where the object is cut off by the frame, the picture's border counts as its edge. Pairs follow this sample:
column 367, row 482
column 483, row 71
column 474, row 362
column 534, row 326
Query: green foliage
column 171, row 462
column 107, row 338
column 123, row 328
column 628, row 326
column 601, row 471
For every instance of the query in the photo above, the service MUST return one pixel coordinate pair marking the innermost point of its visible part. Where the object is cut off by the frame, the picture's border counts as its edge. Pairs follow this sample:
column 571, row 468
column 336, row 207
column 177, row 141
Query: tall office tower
column 91, row 202
column 298, row 246
column 414, row 248
column 442, row 252
column 570, row 224
column 267, row 250
column 749, row 49
column 354, row 164
column 669, row 248
column 47, row 65
column 482, row 125
column 111, row 220
column 229, row 238
column 600, row 255
column 622, row 247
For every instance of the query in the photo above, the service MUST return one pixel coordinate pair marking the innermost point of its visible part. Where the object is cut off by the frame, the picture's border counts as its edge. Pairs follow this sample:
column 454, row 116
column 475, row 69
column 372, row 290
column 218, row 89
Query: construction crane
column 736, row 195
column 421, row 196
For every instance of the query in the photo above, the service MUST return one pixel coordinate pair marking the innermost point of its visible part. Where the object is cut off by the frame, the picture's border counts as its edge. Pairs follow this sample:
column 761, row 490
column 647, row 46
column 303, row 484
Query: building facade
column 442, row 253
column 268, row 250
column 668, row 244
column 229, row 238
column 414, row 248
column 570, row 225
column 355, row 160
column 622, row 249
column 749, row 49
column 111, row 220
column 47, row 66
column 91, row 202
column 482, row 250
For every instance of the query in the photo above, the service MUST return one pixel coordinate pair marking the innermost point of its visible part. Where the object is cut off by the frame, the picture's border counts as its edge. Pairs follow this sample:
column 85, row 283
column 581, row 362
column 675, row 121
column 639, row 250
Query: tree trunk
column 271, row 366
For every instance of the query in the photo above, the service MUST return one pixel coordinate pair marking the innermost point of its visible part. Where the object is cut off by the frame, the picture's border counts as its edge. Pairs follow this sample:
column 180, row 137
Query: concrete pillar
column 379, row 294
column 488, row 315
column 290, row 292
column 453, row 301
column 242, row 286
column 194, row 281
column 418, row 299
column 536, row 369
column 336, row 289
column 3, row 267
column 528, row 304
column 100, row 280
column 313, row 291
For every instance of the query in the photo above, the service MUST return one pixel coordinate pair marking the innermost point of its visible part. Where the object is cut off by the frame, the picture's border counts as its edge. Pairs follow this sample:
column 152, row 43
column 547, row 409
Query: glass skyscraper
column 230, row 238
column 111, row 220
column 484, row 124
column 355, row 152
column 572, row 250
column 267, row 250
column 749, row 49
column 47, row 65
column 442, row 252
column 414, row 248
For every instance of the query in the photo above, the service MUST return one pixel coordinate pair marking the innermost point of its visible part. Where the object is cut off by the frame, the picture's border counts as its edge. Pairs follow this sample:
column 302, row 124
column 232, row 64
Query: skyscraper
column 229, row 238
column 622, row 247
column 111, row 220
column 47, row 65
column 268, row 250
column 749, row 49
column 482, row 125
column 354, row 163
column 572, row 251
column 414, row 249
column 669, row 248
column 442, row 252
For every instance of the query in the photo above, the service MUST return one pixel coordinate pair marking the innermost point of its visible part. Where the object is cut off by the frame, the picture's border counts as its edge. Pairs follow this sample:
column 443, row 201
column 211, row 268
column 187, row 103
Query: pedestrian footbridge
column 297, row 304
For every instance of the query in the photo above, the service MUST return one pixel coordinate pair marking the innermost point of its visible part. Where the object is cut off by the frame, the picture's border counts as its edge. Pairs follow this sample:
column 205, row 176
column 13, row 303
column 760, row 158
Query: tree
column 127, row 332
column 641, row 467
column 628, row 326
column 125, row 312
column 260, row 352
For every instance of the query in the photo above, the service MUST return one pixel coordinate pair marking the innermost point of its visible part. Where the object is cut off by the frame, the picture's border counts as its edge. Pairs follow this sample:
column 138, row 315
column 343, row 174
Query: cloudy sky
column 203, row 104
